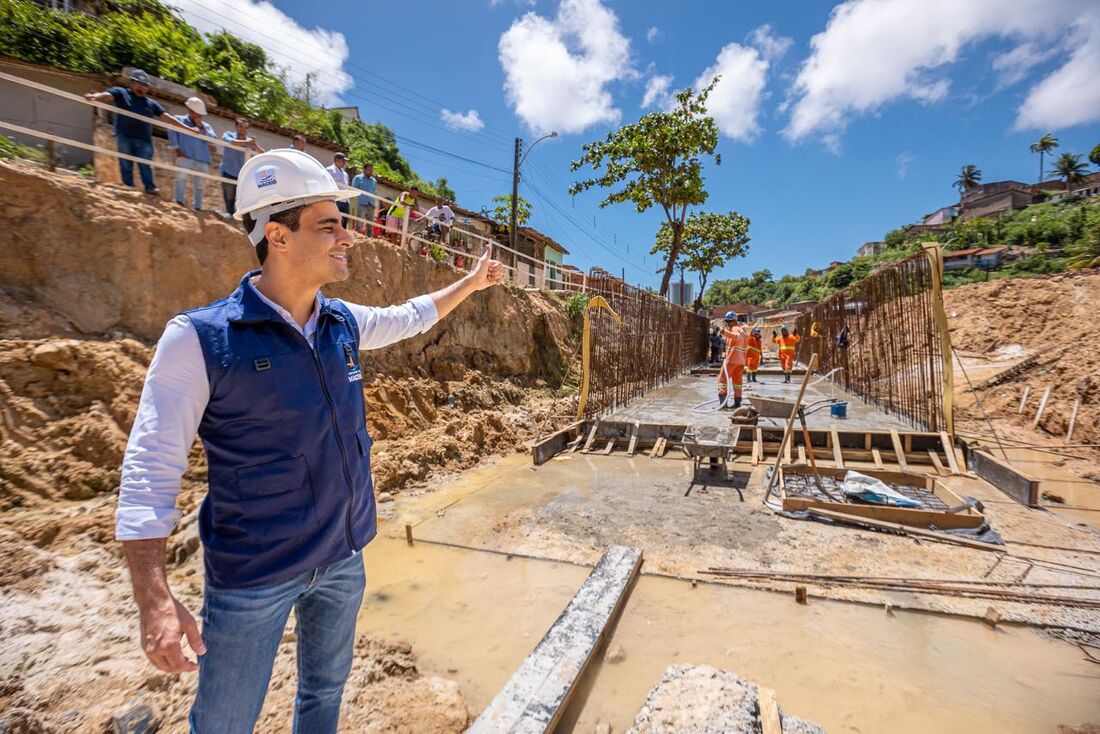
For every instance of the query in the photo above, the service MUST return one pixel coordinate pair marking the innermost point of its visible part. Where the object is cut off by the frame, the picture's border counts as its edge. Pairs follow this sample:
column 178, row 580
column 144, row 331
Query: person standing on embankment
column 269, row 378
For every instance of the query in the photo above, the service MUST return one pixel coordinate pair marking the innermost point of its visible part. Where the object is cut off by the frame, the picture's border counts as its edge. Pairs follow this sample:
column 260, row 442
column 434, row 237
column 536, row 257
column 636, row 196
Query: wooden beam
column 1072, row 420
column 937, row 463
column 656, row 447
column 538, row 693
column 576, row 443
column 1019, row 487
column 878, row 458
column 633, row 440
column 770, row 723
column 906, row 530
column 1042, row 407
column 949, row 452
column 547, row 448
column 801, row 454
column 757, row 446
column 664, row 447
column 591, row 437
column 610, row 447
column 899, row 451
column 838, row 455
column 1023, row 399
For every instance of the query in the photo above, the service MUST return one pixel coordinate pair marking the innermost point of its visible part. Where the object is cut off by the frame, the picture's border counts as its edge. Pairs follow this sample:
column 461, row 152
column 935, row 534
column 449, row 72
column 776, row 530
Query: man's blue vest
column 286, row 442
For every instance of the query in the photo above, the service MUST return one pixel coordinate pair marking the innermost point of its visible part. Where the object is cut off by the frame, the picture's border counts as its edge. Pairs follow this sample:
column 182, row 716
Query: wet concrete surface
column 693, row 399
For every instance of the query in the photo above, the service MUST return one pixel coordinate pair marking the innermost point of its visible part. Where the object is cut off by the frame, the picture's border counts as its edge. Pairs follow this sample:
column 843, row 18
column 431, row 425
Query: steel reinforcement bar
column 655, row 342
column 888, row 335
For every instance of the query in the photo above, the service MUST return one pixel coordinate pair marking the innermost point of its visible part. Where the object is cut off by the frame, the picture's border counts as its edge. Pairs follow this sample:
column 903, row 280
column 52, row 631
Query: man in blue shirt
column 134, row 137
column 365, row 181
column 191, row 152
column 233, row 159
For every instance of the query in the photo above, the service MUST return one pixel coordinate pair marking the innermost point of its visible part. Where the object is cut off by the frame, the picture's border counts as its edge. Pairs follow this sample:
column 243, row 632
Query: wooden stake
column 937, row 463
column 633, row 440
column 991, row 617
column 409, row 534
column 838, row 457
column 1023, row 399
column 785, row 444
column 898, row 450
column 757, row 447
column 609, row 448
column 800, row 594
column 1042, row 407
column 1072, row 420
column 591, row 437
column 770, row 722
column 949, row 452
column 878, row 458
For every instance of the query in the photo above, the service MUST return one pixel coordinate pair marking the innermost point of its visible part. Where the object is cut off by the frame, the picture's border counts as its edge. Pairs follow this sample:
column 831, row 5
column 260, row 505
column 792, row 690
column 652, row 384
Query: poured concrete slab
column 691, row 399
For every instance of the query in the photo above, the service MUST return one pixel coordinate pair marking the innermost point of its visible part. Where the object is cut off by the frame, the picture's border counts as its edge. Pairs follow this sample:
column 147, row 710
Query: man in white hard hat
column 269, row 378
column 192, row 153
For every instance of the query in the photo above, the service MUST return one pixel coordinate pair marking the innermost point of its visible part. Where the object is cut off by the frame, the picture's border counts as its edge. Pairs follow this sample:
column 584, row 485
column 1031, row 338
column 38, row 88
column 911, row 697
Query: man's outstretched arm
column 164, row 621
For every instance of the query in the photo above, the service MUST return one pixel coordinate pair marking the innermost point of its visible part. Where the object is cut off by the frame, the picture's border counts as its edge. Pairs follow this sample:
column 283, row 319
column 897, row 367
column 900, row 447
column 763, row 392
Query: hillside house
column 985, row 258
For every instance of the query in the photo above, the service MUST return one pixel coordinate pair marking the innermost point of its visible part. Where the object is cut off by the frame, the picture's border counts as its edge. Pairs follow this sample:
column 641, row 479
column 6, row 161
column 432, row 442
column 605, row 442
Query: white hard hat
column 282, row 179
column 196, row 105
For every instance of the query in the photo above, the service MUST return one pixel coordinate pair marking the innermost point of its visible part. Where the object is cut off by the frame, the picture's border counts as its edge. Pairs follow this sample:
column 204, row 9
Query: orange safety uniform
column 752, row 353
column 787, row 347
column 733, row 366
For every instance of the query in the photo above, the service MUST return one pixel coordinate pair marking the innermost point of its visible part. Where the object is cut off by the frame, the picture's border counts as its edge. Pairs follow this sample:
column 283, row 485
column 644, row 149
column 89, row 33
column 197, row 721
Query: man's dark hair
column 291, row 218
column 244, row 121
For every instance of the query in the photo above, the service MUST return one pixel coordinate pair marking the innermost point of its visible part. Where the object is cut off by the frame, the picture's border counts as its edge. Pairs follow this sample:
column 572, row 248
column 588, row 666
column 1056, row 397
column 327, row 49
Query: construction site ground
column 500, row 545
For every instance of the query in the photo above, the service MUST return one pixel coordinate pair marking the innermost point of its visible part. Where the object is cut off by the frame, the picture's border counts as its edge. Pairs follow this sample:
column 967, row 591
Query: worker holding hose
column 269, row 377
column 788, row 343
column 733, row 366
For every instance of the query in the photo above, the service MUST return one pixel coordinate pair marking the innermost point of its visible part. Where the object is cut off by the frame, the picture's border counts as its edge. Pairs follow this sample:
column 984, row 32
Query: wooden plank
column 547, row 448
column 770, row 723
column 838, row 456
column 536, row 696
column 787, row 450
column 1042, row 407
column 878, row 458
column 1019, row 487
column 656, row 447
column 899, row 451
column 664, row 447
column 576, row 444
column 1072, row 420
column 757, row 446
column 949, row 452
column 609, row 448
column 633, row 440
column 591, row 437
column 897, row 515
column 801, row 454
column 866, row 522
column 1023, row 400
column 937, row 463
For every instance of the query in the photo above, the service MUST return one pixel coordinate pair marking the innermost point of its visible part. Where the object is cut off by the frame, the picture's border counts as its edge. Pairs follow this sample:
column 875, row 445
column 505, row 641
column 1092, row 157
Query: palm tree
column 1069, row 167
column 1085, row 253
column 969, row 177
column 1094, row 156
column 1045, row 144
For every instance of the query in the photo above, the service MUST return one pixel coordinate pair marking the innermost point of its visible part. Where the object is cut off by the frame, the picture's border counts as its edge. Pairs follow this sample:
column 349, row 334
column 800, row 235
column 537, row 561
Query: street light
column 517, row 162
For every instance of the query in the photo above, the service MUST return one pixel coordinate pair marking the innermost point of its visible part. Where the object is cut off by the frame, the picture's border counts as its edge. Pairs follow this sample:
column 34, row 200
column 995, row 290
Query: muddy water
column 474, row 616
column 1082, row 496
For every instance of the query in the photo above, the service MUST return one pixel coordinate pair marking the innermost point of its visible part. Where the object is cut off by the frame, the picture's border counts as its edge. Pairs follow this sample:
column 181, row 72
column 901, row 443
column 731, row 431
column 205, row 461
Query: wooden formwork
column 930, row 452
column 965, row 518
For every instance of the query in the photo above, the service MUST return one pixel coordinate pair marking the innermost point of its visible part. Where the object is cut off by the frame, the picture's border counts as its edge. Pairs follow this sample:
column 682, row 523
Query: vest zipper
column 339, row 441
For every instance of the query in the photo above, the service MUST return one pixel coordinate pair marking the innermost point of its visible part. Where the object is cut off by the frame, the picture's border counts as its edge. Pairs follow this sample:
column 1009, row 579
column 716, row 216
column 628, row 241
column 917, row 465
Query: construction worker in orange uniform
column 733, row 366
column 753, row 347
column 787, row 342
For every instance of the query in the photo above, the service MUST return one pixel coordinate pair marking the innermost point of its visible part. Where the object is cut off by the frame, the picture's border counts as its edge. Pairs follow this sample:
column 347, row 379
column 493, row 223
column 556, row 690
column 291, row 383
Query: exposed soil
column 78, row 320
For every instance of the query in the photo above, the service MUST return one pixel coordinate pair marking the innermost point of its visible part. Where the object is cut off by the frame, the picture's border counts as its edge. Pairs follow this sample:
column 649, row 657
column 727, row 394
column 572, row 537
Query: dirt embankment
column 88, row 277
column 1049, row 322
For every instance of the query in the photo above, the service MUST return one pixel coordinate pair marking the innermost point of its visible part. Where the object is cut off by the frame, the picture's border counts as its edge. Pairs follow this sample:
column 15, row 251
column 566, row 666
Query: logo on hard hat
column 265, row 177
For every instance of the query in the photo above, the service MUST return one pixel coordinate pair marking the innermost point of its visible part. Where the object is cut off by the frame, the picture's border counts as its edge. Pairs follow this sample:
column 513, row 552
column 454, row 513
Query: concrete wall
column 47, row 112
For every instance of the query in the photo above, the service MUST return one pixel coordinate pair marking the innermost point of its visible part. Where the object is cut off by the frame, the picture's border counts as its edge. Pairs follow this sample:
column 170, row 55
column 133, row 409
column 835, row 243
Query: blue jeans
column 197, row 182
column 140, row 149
column 242, row 629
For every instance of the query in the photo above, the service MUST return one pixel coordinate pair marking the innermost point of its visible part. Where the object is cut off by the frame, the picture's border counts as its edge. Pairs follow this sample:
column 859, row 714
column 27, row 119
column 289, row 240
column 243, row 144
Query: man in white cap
column 269, row 378
column 192, row 153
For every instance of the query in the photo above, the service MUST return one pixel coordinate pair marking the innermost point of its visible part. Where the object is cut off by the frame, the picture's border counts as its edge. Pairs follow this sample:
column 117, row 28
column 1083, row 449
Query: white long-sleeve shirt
column 174, row 399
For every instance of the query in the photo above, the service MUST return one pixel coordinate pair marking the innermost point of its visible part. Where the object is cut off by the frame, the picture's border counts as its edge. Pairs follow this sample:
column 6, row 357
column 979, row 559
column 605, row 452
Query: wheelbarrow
column 778, row 408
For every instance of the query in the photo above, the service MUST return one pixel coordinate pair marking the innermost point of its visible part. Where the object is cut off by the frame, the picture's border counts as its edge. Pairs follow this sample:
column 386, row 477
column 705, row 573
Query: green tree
column 1070, row 168
column 502, row 212
column 1043, row 146
column 969, row 177
column 1085, row 253
column 709, row 241
column 1094, row 155
column 657, row 161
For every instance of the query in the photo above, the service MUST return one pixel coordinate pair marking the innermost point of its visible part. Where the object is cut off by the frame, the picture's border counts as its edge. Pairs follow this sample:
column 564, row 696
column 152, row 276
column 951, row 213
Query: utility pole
column 681, row 284
column 515, row 198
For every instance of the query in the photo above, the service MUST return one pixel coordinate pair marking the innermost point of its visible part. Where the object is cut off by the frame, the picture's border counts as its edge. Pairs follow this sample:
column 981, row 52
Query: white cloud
column 557, row 70
column 902, row 163
column 770, row 46
column 289, row 45
column 653, row 34
column 734, row 103
column 873, row 52
column 1012, row 66
column 657, row 92
column 470, row 121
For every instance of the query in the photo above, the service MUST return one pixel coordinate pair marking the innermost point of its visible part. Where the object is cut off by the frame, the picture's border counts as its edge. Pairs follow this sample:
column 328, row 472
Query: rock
column 385, row 497
column 56, row 354
column 615, row 653
column 139, row 718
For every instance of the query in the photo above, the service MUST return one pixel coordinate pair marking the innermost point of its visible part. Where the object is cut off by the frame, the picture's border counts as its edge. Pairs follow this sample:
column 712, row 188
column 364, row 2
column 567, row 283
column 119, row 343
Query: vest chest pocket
column 275, row 500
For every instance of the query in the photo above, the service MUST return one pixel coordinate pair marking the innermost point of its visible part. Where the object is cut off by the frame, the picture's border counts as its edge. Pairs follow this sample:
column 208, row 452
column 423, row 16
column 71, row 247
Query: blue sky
column 840, row 121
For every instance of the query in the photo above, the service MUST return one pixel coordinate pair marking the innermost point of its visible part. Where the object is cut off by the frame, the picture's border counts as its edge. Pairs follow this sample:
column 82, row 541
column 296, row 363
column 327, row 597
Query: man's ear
column 276, row 236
